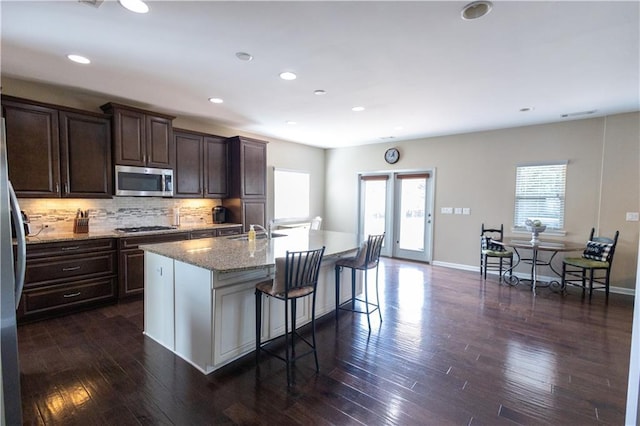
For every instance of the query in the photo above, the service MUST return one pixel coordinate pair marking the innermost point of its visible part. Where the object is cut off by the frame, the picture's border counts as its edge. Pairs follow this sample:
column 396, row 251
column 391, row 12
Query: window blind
column 540, row 191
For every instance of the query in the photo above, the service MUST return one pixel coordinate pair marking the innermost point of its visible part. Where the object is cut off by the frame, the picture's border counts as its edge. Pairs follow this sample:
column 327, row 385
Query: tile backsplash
column 107, row 214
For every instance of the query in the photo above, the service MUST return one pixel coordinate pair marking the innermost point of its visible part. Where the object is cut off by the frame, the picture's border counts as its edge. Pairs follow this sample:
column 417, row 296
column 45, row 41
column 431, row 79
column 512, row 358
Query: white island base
column 208, row 317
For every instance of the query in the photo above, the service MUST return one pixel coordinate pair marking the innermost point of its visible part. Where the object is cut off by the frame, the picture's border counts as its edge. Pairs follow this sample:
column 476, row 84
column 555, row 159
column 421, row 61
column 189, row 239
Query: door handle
column 71, row 268
column 72, row 295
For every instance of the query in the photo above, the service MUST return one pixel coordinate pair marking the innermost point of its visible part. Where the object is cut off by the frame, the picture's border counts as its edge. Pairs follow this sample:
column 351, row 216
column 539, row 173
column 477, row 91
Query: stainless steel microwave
column 144, row 182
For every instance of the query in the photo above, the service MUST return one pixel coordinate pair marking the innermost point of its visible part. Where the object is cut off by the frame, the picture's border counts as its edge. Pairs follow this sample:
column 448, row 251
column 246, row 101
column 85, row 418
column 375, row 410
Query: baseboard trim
column 476, row 269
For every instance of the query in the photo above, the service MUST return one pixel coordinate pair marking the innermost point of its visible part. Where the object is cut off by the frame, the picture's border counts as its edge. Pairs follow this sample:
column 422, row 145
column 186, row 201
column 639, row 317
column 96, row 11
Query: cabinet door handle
column 71, row 295
column 72, row 268
column 57, row 187
column 66, row 188
column 70, row 248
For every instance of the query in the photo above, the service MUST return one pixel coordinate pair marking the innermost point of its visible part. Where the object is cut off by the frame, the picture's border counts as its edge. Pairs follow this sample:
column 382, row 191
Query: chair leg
column 286, row 341
column 313, row 331
column 500, row 276
column 378, row 295
column 258, row 324
column 590, row 284
column 353, row 289
column 366, row 298
column 563, row 281
column 294, row 313
column 338, row 270
column 485, row 266
column 606, row 284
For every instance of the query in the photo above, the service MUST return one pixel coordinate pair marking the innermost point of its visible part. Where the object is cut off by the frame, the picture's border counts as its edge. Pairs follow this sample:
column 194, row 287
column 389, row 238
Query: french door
column 400, row 204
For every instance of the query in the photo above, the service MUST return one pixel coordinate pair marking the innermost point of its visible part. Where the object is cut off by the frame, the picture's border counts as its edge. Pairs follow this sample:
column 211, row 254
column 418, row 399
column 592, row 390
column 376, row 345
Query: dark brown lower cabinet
column 131, row 262
column 219, row 232
column 68, row 276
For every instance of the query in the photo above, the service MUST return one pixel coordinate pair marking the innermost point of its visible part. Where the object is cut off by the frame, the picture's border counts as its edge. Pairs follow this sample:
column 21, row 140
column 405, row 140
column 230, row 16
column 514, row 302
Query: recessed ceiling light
column 527, row 109
column 78, row 59
column 216, row 100
column 319, row 92
column 291, row 123
column 288, row 75
column 244, row 56
column 137, row 6
column 475, row 10
column 357, row 108
column 398, row 128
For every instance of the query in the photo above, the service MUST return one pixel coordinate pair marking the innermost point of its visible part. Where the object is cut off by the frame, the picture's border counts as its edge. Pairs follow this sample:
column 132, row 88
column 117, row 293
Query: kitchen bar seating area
column 491, row 354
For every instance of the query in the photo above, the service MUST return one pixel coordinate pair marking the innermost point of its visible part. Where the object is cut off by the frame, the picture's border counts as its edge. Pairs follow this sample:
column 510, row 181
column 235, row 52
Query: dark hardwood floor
column 452, row 349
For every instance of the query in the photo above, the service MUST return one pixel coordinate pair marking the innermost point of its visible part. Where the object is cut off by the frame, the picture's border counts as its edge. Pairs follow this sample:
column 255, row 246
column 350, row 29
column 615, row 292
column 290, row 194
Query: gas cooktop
column 145, row 228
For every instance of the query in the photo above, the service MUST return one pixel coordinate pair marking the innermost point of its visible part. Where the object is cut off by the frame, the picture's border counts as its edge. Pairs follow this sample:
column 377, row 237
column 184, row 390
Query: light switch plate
column 458, row 210
column 633, row 216
column 466, row 210
column 446, row 210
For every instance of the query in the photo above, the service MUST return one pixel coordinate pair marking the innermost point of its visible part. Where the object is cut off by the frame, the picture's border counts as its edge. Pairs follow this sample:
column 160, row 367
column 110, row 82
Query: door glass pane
column 374, row 202
column 412, row 220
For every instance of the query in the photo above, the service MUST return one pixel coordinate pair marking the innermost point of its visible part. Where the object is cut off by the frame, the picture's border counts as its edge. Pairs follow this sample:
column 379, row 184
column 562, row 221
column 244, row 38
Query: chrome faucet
column 267, row 233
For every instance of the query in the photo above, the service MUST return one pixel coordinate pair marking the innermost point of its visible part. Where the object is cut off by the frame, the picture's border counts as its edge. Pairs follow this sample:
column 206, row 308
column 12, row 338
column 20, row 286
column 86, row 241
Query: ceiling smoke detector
column 475, row 10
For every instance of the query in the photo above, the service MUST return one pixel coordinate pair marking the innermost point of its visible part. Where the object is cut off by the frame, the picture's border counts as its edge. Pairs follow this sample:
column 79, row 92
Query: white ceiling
column 416, row 64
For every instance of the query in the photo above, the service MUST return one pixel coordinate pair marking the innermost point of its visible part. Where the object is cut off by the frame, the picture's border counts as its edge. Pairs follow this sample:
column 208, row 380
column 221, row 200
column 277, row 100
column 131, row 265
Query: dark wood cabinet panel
column 32, row 148
column 254, row 213
column 85, row 143
column 223, row 232
column 215, row 167
column 128, row 137
column 188, row 172
column 248, row 176
column 159, row 142
column 67, row 276
column 131, row 261
column 141, row 138
column 219, row 232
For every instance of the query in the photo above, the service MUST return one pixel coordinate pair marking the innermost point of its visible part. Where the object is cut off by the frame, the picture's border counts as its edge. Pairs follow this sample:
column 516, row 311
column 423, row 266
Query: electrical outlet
column 466, row 210
column 458, row 210
column 446, row 210
column 633, row 216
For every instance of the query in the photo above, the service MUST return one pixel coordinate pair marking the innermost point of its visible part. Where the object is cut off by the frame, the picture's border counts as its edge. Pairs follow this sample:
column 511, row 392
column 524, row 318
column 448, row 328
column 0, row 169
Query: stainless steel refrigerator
column 12, row 275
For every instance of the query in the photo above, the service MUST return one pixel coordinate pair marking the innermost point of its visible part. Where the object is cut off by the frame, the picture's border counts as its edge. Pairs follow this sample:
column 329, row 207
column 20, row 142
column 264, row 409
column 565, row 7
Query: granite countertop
column 53, row 237
column 226, row 254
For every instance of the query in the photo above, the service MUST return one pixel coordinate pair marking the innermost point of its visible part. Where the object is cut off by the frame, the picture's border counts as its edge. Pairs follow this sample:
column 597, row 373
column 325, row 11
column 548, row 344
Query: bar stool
column 367, row 258
column 296, row 277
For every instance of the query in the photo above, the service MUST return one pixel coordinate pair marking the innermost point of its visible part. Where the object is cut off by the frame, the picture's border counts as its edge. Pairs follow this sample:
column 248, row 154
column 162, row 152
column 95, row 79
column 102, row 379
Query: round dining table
column 552, row 246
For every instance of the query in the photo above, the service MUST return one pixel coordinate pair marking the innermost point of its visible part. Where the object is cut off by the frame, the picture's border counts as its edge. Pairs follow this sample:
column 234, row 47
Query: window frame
column 560, row 179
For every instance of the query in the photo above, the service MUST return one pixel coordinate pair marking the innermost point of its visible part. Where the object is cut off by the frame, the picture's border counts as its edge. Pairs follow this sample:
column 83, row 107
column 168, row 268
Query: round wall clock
column 392, row 155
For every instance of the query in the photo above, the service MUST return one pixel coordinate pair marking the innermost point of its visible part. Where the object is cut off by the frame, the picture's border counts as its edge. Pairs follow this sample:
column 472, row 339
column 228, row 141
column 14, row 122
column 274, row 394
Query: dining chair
column 493, row 255
column 296, row 277
column 366, row 258
column 596, row 260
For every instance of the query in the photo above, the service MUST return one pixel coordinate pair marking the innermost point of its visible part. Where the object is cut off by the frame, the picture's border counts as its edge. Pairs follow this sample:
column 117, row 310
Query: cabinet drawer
column 134, row 242
column 35, row 251
column 46, row 271
column 63, row 295
column 223, row 232
column 209, row 233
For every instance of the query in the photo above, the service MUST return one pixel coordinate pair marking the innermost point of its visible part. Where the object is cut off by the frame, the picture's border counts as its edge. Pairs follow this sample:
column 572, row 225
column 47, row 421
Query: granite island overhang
column 199, row 294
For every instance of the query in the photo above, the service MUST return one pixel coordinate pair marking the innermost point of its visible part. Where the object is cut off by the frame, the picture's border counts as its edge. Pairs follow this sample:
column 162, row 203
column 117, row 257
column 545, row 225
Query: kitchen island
column 199, row 294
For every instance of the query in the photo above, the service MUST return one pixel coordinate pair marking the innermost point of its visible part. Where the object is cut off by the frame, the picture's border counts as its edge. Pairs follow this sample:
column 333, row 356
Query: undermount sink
column 244, row 237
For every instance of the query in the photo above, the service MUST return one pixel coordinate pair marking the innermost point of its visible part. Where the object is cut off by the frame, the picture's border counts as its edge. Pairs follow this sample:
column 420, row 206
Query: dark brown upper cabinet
column 248, row 176
column 215, row 167
column 141, row 138
column 85, row 146
column 247, row 201
column 201, row 165
column 56, row 152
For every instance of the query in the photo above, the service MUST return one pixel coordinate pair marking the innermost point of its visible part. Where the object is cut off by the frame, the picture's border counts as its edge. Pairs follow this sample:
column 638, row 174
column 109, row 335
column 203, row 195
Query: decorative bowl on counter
column 535, row 228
